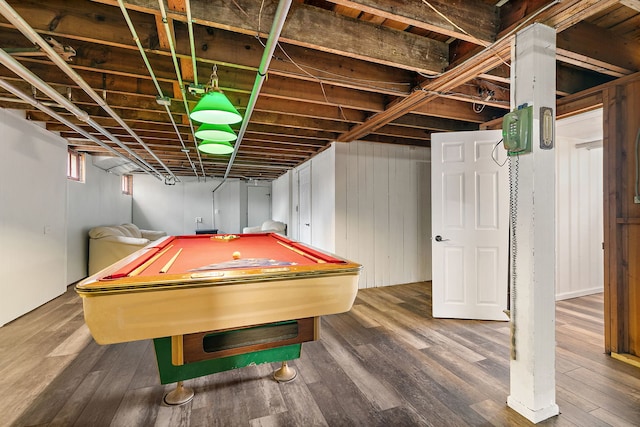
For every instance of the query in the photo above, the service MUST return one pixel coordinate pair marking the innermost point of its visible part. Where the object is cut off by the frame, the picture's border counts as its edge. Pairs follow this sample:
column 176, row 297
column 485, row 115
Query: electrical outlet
column 198, row 220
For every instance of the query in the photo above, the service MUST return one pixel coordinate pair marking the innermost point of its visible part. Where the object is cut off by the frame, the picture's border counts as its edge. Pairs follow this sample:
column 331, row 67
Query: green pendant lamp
column 214, row 107
column 211, row 132
column 215, row 147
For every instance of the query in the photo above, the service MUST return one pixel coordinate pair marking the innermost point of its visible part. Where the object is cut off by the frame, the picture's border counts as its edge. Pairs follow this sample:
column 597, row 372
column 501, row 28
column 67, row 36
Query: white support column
column 533, row 81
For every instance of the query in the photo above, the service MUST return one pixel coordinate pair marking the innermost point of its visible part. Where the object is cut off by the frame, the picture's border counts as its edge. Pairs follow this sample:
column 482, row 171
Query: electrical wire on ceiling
column 476, row 99
column 12, row 16
column 462, row 30
column 338, row 78
column 318, row 79
column 322, row 80
column 162, row 100
column 192, row 41
column 272, row 41
column 274, row 35
column 324, row 93
column 495, row 43
column 176, row 66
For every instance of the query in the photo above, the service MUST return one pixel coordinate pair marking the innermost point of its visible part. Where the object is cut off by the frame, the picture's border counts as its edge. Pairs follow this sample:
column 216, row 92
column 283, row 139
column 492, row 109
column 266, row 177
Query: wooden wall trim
column 609, row 215
column 621, row 218
column 591, row 94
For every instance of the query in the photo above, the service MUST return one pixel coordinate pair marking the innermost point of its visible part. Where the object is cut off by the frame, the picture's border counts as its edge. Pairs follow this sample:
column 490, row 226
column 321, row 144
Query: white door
column 258, row 205
column 470, row 225
column 304, row 203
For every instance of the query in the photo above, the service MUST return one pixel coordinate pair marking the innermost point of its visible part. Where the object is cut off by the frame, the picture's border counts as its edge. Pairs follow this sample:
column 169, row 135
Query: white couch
column 108, row 244
column 269, row 226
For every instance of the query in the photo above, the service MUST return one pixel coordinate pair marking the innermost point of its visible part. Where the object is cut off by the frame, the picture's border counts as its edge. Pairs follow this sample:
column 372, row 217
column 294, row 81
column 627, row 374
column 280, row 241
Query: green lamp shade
column 212, row 132
column 215, row 108
column 215, row 147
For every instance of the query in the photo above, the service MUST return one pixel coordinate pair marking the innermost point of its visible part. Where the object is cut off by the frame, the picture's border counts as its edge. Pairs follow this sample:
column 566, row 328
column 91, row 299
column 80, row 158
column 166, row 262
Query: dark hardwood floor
column 385, row 363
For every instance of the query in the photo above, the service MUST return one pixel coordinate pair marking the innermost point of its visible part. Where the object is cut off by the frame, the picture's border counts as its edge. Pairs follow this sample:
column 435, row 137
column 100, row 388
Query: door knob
column 440, row 239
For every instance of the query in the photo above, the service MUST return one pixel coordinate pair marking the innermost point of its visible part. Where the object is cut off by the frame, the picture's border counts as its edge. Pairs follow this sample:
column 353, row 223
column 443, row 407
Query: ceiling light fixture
column 211, row 132
column 215, row 147
column 214, row 107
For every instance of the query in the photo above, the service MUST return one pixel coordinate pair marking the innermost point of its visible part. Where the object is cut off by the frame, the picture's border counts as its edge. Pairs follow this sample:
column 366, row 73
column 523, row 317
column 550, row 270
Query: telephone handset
column 516, row 131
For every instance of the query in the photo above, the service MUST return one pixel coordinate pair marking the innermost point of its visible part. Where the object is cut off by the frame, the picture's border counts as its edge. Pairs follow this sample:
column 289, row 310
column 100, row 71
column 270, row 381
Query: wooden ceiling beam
column 597, row 49
column 297, row 122
column 456, row 110
column 559, row 15
column 427, row 92
column 435, row 124
column 212, row 47
column 302, row 133
column 473, row 21
column 276, row 87
column 633, row 4
column 383, row 139
column 307, row 26
column 568, row 13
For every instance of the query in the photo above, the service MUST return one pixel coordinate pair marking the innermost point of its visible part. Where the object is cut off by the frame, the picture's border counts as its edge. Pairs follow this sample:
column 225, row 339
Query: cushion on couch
column 109, row 244
column 269, row 226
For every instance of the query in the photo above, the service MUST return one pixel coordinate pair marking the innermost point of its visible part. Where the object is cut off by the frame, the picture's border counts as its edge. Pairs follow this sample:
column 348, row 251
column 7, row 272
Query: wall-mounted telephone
column 516, row 131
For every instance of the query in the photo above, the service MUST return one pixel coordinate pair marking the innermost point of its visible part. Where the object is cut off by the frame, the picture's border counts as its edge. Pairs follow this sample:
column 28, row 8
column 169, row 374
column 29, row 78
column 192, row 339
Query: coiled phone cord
column 513, row 217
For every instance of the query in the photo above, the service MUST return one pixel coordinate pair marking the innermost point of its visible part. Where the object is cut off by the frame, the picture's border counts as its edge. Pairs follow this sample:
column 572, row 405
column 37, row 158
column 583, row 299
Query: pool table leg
column 285, row 373
column 181, row 394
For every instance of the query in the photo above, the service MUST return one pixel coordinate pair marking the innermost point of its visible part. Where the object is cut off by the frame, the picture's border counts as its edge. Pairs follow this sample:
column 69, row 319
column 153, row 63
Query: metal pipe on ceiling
column 12, row 16
column 270, row 47
column 161, row 96
column 15, row 66
column 192, row 43
column 174, row 57
column 44, row 108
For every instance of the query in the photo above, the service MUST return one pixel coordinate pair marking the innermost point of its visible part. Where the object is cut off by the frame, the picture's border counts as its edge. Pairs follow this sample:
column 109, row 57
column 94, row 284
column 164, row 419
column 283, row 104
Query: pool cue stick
column 298, row 251
column 168, row 265
column 153, row 259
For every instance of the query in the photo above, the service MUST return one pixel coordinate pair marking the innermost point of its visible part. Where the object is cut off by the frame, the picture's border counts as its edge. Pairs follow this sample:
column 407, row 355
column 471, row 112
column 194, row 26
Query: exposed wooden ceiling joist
column 387, row 71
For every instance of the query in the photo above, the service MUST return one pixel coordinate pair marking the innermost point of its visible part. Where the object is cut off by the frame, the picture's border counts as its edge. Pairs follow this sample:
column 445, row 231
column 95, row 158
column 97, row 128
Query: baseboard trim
column 576, row 294
column 627, row 358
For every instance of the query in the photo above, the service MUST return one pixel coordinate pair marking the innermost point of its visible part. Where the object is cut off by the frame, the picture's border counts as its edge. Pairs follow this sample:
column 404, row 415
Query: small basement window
column 127, row 184
column 75, row 166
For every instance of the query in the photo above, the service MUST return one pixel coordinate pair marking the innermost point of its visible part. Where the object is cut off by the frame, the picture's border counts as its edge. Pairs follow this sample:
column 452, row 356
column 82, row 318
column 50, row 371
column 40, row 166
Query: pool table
column 190, row 292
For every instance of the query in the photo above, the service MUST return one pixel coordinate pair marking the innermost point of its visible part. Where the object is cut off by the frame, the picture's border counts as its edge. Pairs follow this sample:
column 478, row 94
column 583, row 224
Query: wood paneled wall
column 621, row 104
column 383, row 211
column 371, row 203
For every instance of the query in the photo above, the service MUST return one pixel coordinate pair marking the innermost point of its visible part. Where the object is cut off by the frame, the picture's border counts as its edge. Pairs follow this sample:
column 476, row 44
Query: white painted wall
column 173, row 208
column 230, row 203
column 323, row 200
column 33, row 223
column 580, row 224
column 97, row 201
column 383, row 212
column 259, row 195
column 280, row 199
column 373, row 201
